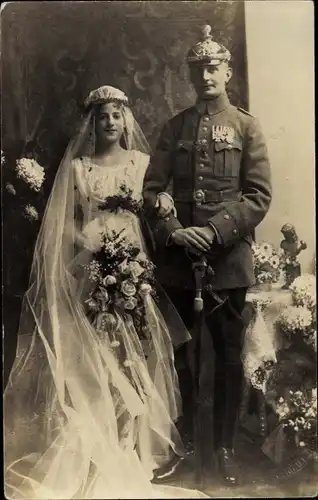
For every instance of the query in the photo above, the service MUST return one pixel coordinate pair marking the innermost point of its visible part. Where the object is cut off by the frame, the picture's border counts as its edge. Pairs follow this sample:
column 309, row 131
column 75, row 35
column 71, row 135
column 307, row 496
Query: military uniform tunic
column 214, row 156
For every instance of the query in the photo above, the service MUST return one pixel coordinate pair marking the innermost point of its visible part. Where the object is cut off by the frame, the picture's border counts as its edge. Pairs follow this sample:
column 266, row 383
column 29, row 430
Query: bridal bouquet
column 267, row 263
column 123, row 276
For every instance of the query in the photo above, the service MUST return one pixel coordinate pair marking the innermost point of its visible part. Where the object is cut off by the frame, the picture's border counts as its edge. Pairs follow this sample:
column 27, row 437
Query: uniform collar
column 212, row 106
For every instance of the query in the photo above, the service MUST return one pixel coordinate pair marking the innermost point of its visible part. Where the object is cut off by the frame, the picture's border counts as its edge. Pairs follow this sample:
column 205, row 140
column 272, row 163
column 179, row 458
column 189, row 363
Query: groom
column 216, row 158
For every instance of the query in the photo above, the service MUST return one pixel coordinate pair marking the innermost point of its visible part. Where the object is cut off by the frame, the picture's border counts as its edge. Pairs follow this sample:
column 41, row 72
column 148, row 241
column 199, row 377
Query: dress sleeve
column 141, row 161
column 80, row 183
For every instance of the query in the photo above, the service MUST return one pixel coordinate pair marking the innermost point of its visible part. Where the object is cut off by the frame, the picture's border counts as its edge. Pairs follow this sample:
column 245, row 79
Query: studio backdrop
column 54, row 53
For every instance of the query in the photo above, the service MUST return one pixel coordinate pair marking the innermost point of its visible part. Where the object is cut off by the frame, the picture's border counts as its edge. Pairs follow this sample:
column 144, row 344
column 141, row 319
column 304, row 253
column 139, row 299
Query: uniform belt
column 206, row 196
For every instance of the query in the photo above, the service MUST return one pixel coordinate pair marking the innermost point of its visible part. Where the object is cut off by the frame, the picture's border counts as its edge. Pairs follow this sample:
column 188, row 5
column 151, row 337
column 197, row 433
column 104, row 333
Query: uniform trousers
column 226, row 326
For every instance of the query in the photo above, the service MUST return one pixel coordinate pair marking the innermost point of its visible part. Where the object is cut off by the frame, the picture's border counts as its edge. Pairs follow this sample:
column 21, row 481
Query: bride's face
column 109, row 123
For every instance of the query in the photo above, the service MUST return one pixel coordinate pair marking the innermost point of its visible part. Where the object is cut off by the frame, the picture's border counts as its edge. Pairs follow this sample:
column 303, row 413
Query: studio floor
column 257, row 476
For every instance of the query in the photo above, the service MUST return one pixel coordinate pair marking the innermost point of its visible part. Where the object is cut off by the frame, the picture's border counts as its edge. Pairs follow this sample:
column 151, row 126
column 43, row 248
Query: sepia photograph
column 159, row 329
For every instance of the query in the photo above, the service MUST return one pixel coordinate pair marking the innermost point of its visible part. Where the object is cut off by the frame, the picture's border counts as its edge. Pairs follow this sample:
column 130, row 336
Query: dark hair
column 97, row 106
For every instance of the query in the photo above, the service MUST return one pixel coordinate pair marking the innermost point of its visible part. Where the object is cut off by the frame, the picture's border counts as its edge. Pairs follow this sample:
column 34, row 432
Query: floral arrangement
column 303, row 291
column 30, row 172
column 295, row 319
column 267, row 263
column 299, row 321
column 291, row 388
column 30, row 212
column 298, row 415
column 123, row 276
column 122, row 201
column 261, row 375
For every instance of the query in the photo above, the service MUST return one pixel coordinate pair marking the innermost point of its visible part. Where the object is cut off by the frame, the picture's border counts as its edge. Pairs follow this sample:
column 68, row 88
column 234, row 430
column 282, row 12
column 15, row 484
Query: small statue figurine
column 292, row 248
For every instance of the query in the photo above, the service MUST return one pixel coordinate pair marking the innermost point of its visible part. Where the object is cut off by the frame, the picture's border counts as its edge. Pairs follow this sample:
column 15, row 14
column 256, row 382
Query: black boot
column 185, row 426
column 226, row 416
column 227, row 466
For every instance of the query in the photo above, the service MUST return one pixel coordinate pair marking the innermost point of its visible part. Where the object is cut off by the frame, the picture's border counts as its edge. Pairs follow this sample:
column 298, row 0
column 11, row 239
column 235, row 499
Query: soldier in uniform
column 214, row 156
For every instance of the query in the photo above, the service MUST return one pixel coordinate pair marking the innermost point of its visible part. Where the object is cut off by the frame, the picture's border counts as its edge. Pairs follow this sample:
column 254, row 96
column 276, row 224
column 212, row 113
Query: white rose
column 128, row 288
column 130, row 304
column 102, row 295
column 109, row 280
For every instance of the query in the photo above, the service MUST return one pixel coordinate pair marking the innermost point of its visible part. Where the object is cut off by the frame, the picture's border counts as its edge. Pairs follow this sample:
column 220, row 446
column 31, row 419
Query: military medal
column 221, row 133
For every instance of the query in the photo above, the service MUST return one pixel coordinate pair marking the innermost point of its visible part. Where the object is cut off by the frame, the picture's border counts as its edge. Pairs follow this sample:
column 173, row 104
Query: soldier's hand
column 165, row 205
column 193, row 238
column 205, row 232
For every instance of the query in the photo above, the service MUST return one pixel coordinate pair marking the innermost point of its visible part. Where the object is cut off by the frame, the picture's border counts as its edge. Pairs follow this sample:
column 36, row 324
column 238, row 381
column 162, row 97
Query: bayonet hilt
column 200, row 268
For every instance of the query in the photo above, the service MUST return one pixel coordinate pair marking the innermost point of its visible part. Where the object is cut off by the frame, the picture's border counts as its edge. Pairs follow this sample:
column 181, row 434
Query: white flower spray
column 30, row 172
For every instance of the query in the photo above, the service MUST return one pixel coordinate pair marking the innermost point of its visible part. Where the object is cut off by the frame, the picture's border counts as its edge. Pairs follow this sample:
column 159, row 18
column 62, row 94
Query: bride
column 90, row 405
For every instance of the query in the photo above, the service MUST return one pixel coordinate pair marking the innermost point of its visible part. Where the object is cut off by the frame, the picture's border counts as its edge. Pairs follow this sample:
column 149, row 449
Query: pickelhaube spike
column 207, row 51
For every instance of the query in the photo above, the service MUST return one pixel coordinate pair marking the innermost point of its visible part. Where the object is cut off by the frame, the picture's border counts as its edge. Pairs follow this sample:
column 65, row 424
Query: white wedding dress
column 86, row 425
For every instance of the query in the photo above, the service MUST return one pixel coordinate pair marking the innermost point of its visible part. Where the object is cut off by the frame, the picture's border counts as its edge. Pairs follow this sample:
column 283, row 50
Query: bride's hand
column 165, row 205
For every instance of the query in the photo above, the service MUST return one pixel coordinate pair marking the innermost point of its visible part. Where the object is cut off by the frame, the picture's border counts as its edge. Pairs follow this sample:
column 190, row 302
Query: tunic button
column 204, row 141
column 226, row 216
column 204, row 129
column 201, row 165
column 199, row 195
column 234, row 231
column 206, row 118
column 200, row 178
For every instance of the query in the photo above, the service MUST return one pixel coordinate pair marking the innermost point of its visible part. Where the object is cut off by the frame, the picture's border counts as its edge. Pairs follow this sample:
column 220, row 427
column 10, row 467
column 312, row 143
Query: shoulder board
column 244, row 111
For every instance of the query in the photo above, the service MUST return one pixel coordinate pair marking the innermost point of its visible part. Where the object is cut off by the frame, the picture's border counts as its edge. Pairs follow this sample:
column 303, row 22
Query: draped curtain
column 54, row 53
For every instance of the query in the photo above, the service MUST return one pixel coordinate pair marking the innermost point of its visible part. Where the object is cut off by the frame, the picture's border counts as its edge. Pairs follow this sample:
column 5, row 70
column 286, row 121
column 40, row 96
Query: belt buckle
column 199, row 196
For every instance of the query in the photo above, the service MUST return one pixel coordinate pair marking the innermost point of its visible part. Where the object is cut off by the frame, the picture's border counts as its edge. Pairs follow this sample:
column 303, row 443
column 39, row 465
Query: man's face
column 210, row 81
